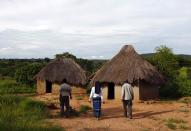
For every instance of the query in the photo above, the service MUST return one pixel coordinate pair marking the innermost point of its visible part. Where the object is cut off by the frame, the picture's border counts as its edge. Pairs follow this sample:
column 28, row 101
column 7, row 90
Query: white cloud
column 28, row 46
column 5, row 49
column 92, row 28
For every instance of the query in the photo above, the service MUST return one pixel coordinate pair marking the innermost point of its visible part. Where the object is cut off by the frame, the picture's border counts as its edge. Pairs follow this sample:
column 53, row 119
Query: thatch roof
column 60, row 69
column 128, row 65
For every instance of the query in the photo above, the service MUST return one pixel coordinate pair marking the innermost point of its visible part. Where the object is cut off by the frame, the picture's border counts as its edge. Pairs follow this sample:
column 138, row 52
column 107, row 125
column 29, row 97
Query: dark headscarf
column 97, row 87
column 64, row 80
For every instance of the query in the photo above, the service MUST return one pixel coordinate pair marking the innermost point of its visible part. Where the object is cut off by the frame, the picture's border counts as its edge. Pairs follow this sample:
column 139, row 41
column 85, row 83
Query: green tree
column 189, row 73
column 47, row 59
column 184, row 61
column 87, row 65
column 65, row 55
column 166, row 61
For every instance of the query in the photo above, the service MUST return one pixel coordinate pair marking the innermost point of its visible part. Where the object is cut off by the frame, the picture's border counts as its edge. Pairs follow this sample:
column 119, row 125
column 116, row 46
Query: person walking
column 65, row 96
column 127, row 95
column 97, row 98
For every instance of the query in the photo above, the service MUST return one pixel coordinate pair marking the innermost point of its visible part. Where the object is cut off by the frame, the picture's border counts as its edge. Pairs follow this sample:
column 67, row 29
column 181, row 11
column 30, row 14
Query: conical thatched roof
column 128, row 65
column 60, row 69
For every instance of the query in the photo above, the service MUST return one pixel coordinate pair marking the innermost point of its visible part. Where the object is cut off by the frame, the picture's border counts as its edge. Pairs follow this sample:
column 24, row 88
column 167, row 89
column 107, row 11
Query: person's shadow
column 117, row 112
column 148, row 113
column 108, row 113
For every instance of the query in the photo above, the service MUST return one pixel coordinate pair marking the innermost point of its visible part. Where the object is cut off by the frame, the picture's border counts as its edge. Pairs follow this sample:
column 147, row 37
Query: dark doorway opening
column 48, row 87
column 111, row 91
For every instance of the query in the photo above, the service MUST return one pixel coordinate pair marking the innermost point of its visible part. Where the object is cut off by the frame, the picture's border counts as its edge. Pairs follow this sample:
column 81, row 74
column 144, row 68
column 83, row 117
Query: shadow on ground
column 117, row 112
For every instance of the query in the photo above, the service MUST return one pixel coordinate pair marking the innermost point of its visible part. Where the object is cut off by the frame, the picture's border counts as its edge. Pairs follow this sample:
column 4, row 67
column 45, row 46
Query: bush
column 170, row 90
column 184, row 81
column 178, row 86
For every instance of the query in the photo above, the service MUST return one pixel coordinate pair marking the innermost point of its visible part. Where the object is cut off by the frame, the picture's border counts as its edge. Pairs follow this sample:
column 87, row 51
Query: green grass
column 184, row 110
column 79, row 97
column 167, row 100
column 10, row 86
column 20, row 113
column 145, row 129
column 175, row 120
column 84, row 108
column 172, row 123
column 186, row 100
column 184, row 127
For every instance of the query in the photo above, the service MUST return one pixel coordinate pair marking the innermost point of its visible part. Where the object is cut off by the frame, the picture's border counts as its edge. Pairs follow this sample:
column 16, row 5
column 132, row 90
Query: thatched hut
column 129, row 65
column 51, row 76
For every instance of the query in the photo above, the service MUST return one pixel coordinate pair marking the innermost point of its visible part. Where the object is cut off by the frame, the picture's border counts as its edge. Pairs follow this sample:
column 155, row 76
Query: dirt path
column 146, row 116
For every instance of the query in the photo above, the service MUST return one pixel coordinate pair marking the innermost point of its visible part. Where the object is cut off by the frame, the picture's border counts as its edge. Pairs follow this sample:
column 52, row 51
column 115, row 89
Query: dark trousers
column 127, row 105
column 65, row 102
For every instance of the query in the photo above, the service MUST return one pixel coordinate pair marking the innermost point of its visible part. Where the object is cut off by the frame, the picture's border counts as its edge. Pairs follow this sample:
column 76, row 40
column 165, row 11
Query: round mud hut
column 52, row 75
column 129, row 65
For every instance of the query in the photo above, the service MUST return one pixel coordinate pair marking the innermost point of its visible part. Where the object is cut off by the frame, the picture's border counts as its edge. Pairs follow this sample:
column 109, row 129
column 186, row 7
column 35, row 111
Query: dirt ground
column 147, row 116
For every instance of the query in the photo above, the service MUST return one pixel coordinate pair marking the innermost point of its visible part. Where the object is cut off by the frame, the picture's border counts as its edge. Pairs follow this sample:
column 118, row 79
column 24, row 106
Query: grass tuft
column 171, row 125
column 184, row 127
column 79, row 97
column 145, row 129
column 186, row 100
column 84, row 108
column 174, row 120
column 184, row 110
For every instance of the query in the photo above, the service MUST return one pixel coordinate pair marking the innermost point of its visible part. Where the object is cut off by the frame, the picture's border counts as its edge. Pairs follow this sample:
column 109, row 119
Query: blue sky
column 92, row 28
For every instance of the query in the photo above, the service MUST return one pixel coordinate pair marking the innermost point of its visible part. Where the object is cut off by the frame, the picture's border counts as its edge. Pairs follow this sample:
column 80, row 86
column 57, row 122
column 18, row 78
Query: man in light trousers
column 127, row 95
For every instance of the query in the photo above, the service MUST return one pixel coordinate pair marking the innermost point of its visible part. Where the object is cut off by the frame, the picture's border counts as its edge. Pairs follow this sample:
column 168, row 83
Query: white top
column 65, row 89
column 94, row 95
column 127, row 92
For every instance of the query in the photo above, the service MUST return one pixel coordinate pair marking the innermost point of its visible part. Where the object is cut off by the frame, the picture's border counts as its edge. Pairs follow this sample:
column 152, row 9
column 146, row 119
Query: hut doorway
column 111, row 91
column 48, row 86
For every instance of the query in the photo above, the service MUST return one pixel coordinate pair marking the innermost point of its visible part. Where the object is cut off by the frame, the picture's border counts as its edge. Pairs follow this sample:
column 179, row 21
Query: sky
column 93, row 29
